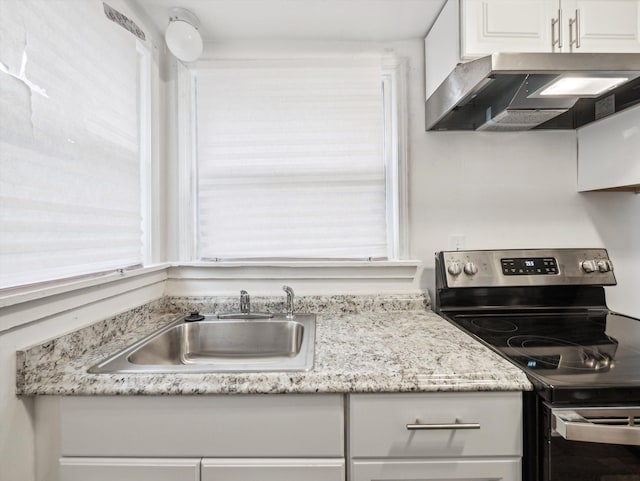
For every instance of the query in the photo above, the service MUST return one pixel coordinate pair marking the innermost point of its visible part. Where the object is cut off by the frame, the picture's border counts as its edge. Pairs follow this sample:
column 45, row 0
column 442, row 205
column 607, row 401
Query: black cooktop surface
column 591, row 348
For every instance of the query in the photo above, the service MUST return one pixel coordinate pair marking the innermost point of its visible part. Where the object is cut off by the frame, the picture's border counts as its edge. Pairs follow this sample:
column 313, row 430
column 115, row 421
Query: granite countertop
column 363, row 344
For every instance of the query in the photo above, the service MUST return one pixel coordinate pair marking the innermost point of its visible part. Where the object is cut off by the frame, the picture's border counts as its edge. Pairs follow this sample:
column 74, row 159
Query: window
column 70, row 182
column 296, row 159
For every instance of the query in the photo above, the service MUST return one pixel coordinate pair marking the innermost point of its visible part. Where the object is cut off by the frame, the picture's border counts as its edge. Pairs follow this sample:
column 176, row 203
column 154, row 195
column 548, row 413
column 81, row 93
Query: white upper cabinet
column 489, row 26
column 602, row 25
column 609, row 153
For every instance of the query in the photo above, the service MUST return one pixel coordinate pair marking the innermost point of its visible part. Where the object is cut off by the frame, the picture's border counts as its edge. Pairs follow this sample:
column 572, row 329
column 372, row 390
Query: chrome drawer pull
column 434, row 427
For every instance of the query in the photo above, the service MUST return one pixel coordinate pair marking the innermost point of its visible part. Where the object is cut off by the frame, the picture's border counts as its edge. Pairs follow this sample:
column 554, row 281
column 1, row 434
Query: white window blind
column 70, row 167
column 290, row 158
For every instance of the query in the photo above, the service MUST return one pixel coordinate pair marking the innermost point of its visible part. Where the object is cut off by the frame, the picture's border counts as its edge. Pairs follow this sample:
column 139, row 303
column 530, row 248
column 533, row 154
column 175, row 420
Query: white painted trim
column 301, row 264
column 145, row 136
column 187, row 148
column 26, row 305
column 306, row 278
column 394, row 71
column 390, row 163
column 402, row 108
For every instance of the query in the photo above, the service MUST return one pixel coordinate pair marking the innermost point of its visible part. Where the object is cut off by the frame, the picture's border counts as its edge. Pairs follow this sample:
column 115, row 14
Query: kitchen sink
column 227, row 344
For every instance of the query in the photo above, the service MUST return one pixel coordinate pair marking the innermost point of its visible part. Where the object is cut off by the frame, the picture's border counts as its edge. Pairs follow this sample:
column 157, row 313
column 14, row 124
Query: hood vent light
column 582, row 86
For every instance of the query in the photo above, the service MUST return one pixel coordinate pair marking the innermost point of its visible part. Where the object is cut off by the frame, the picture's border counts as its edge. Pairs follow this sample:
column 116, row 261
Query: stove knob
column 470, row 269
column 589, row 266
column 590, row 361
column 598, row 361
column 604, row 266
column 454, row 269
column 605, row 362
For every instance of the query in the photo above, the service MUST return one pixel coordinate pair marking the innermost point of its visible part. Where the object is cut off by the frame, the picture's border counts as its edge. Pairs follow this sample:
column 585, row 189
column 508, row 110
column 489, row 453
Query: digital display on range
column 539, row 362
column 523, row 266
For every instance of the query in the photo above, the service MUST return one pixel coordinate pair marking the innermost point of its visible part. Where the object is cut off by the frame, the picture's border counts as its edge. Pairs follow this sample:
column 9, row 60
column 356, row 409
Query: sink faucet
column 290, row 295
column 245, row 302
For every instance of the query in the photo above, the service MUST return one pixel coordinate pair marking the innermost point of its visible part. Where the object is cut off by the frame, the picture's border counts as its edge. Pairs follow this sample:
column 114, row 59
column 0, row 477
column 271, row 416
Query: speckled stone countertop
column 363, row 344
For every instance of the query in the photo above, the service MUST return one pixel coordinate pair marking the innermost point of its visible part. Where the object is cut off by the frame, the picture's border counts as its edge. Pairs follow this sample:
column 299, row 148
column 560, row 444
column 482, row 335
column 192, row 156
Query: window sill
column 38, row 291
column 306, row 277
column 24, row 305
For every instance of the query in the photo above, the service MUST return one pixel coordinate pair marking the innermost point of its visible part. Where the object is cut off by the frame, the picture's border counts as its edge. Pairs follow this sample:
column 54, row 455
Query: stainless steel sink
column 221, row 345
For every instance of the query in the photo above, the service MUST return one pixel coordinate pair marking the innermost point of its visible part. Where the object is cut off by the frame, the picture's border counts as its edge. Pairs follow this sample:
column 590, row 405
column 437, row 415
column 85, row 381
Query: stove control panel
column 525, row 267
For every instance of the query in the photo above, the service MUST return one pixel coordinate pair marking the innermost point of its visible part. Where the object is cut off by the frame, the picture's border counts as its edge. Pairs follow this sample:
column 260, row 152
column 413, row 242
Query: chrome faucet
column 289, row 304
column 245, row 302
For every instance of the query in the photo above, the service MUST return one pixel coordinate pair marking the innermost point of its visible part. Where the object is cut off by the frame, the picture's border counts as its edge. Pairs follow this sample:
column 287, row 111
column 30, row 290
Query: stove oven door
column 593, row 444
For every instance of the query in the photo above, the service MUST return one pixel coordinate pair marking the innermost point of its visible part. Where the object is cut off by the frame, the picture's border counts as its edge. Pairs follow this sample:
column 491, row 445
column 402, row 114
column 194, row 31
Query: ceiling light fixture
column 182, row 36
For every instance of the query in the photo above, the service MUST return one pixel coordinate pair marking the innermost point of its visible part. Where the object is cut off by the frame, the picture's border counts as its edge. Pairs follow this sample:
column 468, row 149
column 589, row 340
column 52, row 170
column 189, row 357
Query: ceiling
column 346, row 20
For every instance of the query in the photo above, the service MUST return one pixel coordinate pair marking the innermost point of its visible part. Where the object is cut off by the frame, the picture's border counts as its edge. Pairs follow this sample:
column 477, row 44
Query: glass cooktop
column 587, row 348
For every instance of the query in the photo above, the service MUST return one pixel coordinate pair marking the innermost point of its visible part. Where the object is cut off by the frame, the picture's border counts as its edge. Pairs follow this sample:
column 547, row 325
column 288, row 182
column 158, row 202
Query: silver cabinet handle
column 573, row 426
column 578, row 28
column 556, row 21
column 434, row 427
column 575, row 22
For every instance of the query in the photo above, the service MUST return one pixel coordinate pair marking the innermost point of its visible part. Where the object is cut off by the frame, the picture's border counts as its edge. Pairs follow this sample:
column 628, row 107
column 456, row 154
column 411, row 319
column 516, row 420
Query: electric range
column 545, row 311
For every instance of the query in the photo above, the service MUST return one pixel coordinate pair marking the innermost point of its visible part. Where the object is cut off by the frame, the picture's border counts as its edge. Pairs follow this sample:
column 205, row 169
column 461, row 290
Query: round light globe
column 183, row 40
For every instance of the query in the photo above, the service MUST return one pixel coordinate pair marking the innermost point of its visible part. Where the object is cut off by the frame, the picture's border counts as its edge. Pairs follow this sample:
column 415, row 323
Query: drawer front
column 123, row 469
column 493, row 422
column 204, row 426
column 273, row 470
column 420, row 470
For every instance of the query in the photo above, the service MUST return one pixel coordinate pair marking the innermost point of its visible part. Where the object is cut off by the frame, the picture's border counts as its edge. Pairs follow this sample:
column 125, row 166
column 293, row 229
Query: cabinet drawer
column 459, row 470
column 378, row 424
column 203, row 426
column 273, row 469
column 123, row 469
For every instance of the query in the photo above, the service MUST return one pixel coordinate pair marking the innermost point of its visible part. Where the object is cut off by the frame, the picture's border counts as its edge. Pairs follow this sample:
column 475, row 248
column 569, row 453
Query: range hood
column 523, row 91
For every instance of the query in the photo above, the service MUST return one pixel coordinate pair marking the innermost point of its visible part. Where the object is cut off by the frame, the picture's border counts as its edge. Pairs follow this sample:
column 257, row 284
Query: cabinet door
column 129, row 469
column 609, row 152
column 273, row 469
column 489, row 26
column 602, row 25
column 419, row 470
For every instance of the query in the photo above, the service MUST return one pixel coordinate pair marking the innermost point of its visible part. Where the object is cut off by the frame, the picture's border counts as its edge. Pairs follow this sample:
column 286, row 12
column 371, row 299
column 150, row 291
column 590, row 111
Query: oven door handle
column 572, row 426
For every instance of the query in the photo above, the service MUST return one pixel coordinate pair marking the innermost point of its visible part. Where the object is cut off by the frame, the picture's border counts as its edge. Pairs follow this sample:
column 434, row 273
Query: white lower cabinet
column 129, row 469
column 273, row 470
column 435, row 436
column 457, row 436
column 191, row 438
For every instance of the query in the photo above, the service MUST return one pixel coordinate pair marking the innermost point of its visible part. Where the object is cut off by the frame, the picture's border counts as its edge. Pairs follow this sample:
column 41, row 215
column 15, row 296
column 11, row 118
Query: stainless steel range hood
column 509, row 91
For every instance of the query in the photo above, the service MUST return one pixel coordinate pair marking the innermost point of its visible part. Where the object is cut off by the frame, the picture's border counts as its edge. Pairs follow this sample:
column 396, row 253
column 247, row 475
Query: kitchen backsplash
column 347, row 304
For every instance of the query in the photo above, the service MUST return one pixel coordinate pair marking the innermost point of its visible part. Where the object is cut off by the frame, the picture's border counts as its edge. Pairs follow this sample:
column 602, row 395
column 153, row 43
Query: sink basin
column 221, row 345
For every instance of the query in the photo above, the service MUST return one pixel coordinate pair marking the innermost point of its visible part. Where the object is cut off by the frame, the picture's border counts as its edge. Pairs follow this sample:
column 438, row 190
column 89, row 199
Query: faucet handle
column 289, row 305
column 245, row 302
